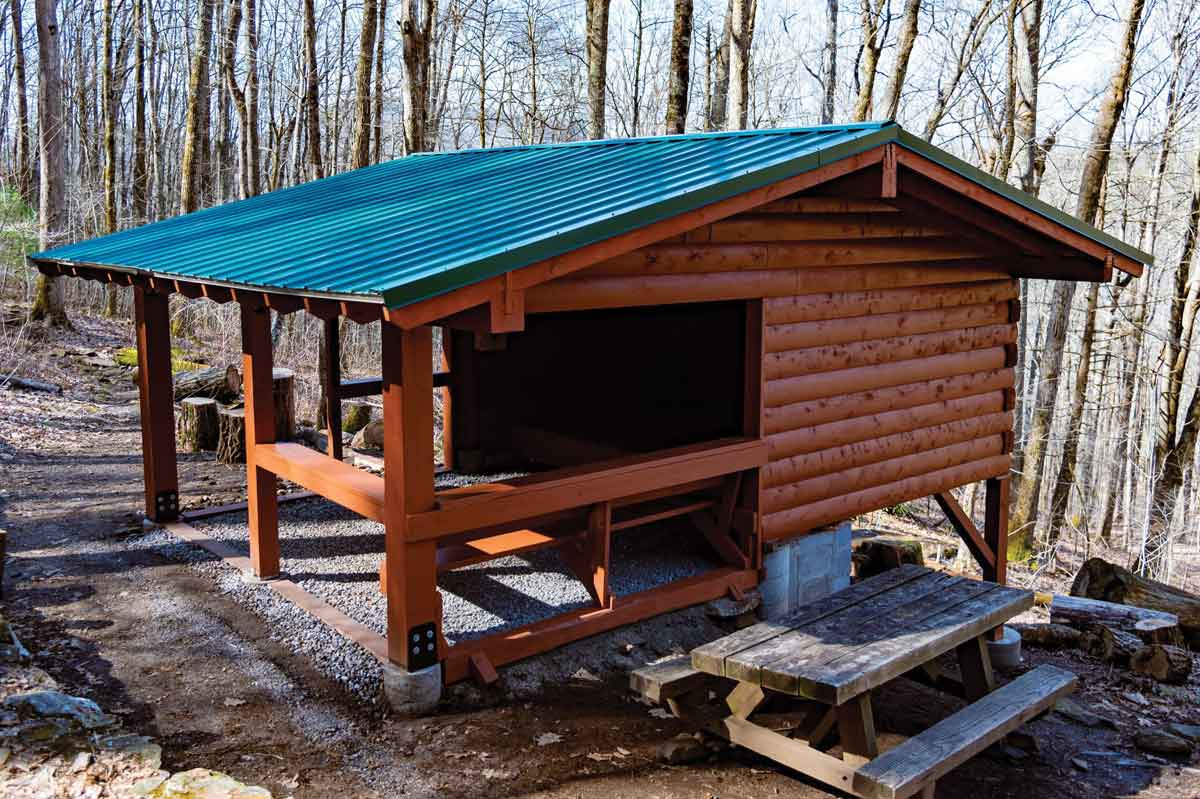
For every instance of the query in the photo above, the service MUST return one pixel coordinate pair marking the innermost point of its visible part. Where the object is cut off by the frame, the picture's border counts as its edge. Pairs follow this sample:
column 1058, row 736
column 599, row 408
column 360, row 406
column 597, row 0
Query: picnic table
column 834, row 652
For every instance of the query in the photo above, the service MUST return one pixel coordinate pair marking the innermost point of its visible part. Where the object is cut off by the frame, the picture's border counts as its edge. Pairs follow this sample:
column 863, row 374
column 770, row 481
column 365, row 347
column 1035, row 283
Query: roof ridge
column 714, row 134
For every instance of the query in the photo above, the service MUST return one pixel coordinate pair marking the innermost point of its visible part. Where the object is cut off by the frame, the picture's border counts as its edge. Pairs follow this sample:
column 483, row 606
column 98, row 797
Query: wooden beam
column 995, row 527
column 442, row 382
column 410, row 568
column 352, row 488
column 332, row 388
column 257, row 377
column 156, row 397
column 889, row 188
column 961, row 522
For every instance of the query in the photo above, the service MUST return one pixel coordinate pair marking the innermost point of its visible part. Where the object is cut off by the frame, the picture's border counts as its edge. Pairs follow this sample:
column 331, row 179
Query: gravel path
column 334, row 554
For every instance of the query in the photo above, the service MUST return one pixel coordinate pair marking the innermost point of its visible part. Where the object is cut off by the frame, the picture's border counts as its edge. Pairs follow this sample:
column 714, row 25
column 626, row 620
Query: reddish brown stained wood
column 1013, row 210
column 834, row 434
column 809, row 517
column 482, row 670
column 872, row 450
column 840, row 305
column 848, row 406
column 333, row 386
column 626, row 292
column 995, row 526
column 826, row 205
column 798, row 335
column 961, row 521
column 795, row 363
column 350, row 487
column 754, row 381
column 845, row 381
column 913, row 464
column 410, row 569
column 891, row 179
column 156, row 398
column 522, row 642
column 756, row 227
column 257, row 375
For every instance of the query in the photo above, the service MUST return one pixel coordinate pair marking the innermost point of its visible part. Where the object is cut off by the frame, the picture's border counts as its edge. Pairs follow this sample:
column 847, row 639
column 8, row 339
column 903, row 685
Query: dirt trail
column 113, row 619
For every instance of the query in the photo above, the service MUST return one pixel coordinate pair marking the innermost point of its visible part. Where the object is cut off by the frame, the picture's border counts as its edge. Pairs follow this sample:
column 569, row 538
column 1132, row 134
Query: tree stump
column 231, row 444
column 1168, row 664
column 1159, row 631
column 221, row 383
column 1048, row 636
column 197, row 426
column 1104, row 643
column 282, row 391
column 876, row 555
column 356, row 416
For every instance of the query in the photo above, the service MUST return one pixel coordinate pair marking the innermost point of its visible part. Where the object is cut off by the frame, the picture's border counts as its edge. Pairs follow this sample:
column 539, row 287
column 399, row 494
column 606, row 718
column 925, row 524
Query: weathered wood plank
column 669, row 678
column 798, row 335
column 711, row 657
column 839, row 305
column 780, row 662
column 902, row 771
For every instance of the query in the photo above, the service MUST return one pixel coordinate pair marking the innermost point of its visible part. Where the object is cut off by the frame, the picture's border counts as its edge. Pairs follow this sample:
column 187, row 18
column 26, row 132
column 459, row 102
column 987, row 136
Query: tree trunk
column 195, row 127
column 1109, row 645
column 720, row 94
column 377, row 109
column 362, row 85
column 284, row 397
column 1048, row 636
column 416, row 32
column 250, row 147
column 872, row 46
column 312, row 97
column 231, row 443
column 1023, row 519
column 1028, row 27
column 1101, row 580
column 48, row 305
column 741, row 32
column 680, row 74
column 975, row 34
column 829, row 62
column 597, row 64
column 140, row 190
column 197, row 426
column 24, row 164
column 908, row 36
column 222, row 383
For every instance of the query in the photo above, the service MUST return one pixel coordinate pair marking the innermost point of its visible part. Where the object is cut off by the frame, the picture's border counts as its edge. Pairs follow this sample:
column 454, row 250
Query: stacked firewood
column 1151, row 637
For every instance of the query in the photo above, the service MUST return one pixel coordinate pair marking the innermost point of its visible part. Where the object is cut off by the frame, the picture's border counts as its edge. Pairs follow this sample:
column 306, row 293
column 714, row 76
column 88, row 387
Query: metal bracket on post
column 166, row 506
column 422, row 646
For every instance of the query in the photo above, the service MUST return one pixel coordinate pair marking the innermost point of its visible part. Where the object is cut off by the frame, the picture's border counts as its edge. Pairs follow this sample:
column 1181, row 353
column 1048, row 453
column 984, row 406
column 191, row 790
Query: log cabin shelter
column 758, row 333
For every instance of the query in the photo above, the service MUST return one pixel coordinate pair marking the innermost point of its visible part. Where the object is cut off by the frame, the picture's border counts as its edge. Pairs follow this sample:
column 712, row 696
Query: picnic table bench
column 835, row 651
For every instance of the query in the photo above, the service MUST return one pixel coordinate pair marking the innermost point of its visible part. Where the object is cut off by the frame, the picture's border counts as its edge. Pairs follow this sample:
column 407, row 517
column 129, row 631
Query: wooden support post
column 600, row 546
column 447, row 416
column 258, row 386
column 752, row 427
column 333, row 385
column 890, row 187
column 410, row 568
column 856, row 727
column 464, row 388
column 995, row 527
column 975, row 664
column 961, row 522
column 156, row 394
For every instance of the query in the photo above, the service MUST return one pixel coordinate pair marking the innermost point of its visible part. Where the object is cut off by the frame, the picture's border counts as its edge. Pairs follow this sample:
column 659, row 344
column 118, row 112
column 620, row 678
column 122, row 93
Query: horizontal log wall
column 889, row 346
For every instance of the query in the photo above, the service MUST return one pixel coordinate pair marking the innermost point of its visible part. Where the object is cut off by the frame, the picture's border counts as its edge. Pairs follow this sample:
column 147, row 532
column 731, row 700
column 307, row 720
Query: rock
column 81, row 761
column 1189, row 731
column 1136, row 698
column 55, row 704
column 683, row 748
column 1162, row 742
column 200, row 783
column 1080, row 764
column 11, row 649
column 137, row 746
column 726, row 608
column 1075, row 712
column 370, row 437
column 38, row 731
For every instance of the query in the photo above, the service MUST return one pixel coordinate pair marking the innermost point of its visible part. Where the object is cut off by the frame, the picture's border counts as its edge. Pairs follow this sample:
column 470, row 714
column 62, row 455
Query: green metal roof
column 424, row 225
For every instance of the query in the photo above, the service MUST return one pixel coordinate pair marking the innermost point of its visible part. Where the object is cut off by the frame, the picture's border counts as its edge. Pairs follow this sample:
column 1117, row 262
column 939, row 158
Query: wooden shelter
column 759, row 332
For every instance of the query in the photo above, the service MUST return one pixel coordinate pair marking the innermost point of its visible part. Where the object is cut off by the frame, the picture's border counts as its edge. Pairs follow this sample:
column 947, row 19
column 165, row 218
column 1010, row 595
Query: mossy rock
column 127, row 356
column 199, row 783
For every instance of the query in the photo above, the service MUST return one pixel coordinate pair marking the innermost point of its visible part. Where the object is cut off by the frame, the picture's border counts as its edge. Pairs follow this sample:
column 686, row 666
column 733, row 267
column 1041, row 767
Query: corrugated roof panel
column 420, row 226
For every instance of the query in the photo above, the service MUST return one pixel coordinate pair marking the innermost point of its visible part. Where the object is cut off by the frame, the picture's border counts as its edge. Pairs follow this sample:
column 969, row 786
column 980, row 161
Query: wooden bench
column 907, row 768
column 668, row 679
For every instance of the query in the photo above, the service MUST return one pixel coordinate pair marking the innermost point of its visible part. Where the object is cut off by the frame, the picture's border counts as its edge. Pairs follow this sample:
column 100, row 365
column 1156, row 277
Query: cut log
column 222, row 383
column 1107, row 644
column 1079, row 612
column 1159, row 631
column 1099, row 579
column 197, row 426
column 231, row 444
column 1048, row 636
column 1168, row 664
column 30, row 384
column 283, row 392
column 876, row 555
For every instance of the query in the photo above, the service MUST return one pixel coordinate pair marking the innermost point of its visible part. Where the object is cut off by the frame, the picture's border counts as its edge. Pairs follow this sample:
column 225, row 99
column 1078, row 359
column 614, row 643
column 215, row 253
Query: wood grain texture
column 798, row 335
column 841, row 305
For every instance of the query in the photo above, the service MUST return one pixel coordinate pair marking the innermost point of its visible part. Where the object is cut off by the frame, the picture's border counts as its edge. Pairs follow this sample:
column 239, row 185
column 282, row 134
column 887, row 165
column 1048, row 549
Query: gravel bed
column 334, row 554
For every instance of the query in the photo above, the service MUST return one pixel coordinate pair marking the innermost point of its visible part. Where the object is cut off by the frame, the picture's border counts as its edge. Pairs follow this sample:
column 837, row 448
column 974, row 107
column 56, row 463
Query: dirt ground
column 156, row 644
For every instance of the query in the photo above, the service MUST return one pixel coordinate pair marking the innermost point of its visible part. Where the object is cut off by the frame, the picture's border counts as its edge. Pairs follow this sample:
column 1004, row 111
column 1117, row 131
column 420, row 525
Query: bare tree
column 720, row 94
column 1022, row 521
column 48, row 305
column 196, row 127
column 908, row 36
column 741, row 33
column 139, row 174
column 872, row 46
column 416, row 30
column 680, row 75
column 362, row 85
column 597, row 63
column 829, row 62
column 312, row 91
column 23, row 164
